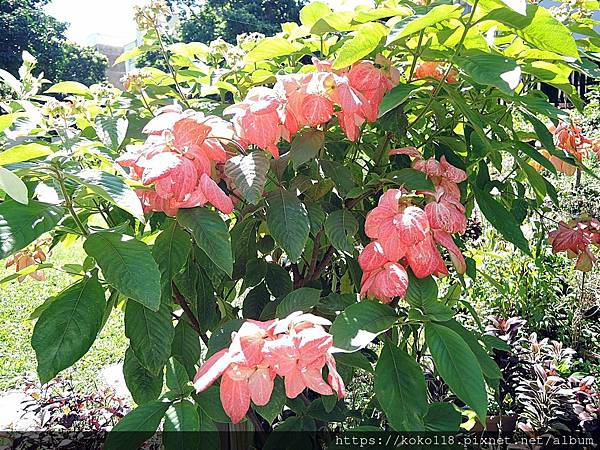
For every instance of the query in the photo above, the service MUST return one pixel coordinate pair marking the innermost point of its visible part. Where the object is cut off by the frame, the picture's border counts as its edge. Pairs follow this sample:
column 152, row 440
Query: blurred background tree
column 204, row 21
column 25, row 26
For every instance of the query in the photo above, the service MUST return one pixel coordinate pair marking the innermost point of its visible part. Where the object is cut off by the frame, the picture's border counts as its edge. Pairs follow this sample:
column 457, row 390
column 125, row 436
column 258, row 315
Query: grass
column 19, row 300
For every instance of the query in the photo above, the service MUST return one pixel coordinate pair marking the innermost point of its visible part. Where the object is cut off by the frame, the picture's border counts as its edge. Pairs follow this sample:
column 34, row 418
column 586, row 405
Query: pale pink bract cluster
column 405, row 235
column 178, row 159
column 575, row 237
column 310, row 99
column 295, row 348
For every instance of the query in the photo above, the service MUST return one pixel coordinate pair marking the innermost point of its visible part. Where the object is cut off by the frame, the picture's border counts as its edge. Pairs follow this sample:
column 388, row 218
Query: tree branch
column 181, row 301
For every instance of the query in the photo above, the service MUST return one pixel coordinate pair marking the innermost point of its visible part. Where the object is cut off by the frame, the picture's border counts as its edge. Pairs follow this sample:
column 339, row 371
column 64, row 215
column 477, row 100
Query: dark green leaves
column 127, row 265
column 458, row 366
column 68, row 327
column 143, row 385
column 395, row 97
column 211, row 235
column 150, row 334
column 400, row 389
column 249, row 174
column 302, row 299
column 340, row 227
column 360, row 323
column 198, row 290
column 306, row 146
column 422, row 295
column 171, row 250
column 141, row 424
column 21, row 224
column 288, row 222
column 411, row 179
column 181, row 421
column 501, row 219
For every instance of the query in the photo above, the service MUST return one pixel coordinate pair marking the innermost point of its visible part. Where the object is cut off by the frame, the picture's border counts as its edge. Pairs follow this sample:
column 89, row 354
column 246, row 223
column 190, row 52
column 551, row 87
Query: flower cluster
column 405, row 235
column 310, row 99
column 575, row 237
column 570, row 139
column 26, row 258
column 435, row 70
column 295, row 348
column 179, row 159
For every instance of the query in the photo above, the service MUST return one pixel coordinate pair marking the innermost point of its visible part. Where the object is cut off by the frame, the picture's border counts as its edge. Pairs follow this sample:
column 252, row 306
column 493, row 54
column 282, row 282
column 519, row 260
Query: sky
column 114, row 18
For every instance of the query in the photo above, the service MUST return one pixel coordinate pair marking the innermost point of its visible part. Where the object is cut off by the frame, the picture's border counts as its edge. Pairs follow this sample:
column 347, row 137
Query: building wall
column 113, row 73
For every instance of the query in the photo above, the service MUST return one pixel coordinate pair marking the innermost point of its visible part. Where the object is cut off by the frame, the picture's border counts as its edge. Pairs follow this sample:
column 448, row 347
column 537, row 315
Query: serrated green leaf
column 360, row 323
column 68, row 327
column 211, row 234
column 288, row 222
column 249, row 174
column 399, row 382
column 21, row 224
column 127, row 265
column 340, row 227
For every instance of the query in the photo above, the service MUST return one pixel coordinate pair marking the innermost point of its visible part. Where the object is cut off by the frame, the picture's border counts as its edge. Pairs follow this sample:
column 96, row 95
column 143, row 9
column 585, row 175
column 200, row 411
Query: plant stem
column 69, row 203
column 450, row 66
column 181, row 301
column 417, row 54
column 170, row 67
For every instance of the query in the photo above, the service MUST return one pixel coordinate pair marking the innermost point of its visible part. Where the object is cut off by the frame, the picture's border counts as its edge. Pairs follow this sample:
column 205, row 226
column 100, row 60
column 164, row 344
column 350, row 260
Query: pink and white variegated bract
column 296, row 348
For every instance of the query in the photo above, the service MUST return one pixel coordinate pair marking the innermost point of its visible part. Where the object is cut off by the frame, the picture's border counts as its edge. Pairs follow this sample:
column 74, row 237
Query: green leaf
column 111, row 188
column 181, row 424
column 255, row 301
column 6, row 120
column 340, row 227
column 539, row 28
column 288, row 222
column 436, row 15
column 111, row 130
column 422, row 294
column 360, row 323
column 171, row 250
column 186, row 346
column 198, row 290
column 211, row 234
column 249, row 174
column 303, row 299
column 70, row 87
column 127, row 265
column 395, row 98
column 129, row 54
column 312, row 12
column 340, row 174
column 177, row 379
column 24, row 152
column 501, row 219
column 400, row 389
column 278, row 280
column 270, row 48
column 458, row 366
column 68, row 327
column 271, row 410
column 492, row 70
column 442, row 417
column 13, row 186
column 143, row 385
column 364, row 41
column 305, row 146
column 411, row 179
column 210, row 402
column 140, row 425
column 488, row 366
column 21, row 224
column 150, row 334
column 356, row 359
